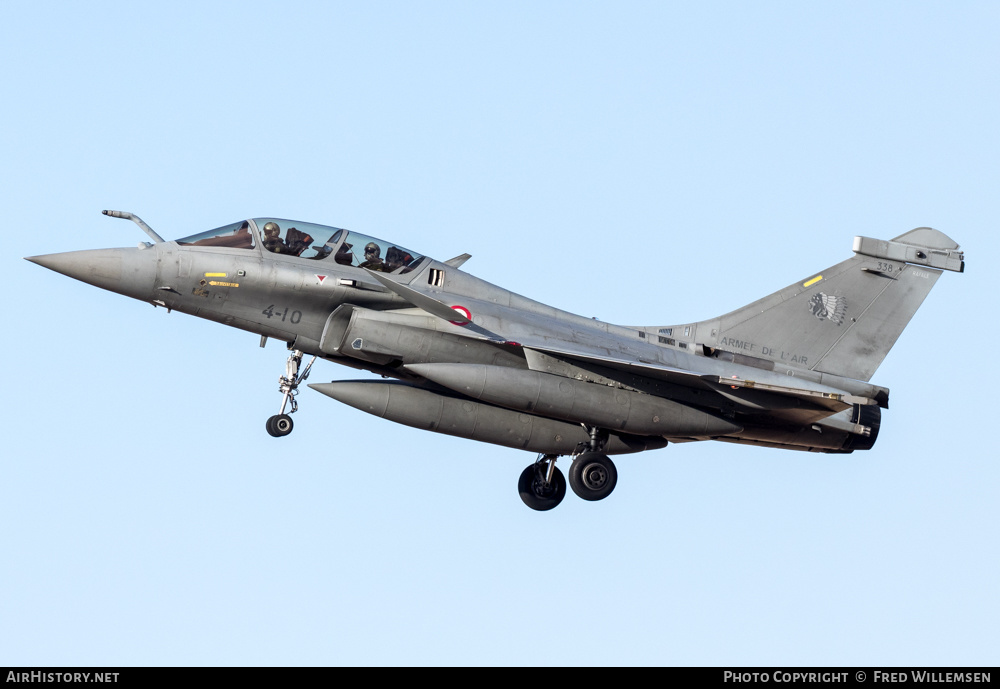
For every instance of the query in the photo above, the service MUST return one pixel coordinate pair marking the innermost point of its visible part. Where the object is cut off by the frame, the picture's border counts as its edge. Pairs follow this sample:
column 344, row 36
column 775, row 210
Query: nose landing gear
column 281, row 423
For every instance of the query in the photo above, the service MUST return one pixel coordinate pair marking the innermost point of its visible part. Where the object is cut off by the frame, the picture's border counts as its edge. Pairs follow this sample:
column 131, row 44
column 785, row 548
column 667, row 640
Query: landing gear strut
column 593, row 475
column 281, row 423
column 542, row 486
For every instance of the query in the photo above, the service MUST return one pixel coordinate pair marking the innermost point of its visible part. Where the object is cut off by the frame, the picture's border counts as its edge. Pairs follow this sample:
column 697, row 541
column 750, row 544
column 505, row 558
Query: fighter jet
column 463, row 357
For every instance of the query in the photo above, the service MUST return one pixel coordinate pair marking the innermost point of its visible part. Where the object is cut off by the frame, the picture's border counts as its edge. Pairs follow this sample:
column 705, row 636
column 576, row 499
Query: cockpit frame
column 294, row 240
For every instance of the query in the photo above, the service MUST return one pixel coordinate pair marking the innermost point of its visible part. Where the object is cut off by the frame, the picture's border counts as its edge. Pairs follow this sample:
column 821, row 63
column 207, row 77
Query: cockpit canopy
column 235, row 236
column 310, row 241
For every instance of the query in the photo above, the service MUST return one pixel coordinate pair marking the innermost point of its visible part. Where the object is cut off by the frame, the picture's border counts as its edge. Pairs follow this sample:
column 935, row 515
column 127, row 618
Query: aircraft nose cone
column 102, row 267
column 126, row 271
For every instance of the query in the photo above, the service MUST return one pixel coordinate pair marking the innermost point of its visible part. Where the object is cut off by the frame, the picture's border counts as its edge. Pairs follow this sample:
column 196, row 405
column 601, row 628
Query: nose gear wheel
column 280, row 425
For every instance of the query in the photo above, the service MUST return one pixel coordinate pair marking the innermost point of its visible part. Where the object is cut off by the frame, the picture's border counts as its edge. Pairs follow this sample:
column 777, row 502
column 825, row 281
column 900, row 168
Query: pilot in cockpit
column 373, row 260
column 272, row 240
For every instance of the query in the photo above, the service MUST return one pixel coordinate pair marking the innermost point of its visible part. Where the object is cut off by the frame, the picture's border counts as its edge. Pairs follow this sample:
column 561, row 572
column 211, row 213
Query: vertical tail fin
column 845, row 319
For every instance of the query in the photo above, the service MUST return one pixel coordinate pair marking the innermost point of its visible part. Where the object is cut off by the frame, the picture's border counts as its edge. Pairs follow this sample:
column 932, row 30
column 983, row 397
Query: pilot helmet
column 271, row 229
column 372, row 248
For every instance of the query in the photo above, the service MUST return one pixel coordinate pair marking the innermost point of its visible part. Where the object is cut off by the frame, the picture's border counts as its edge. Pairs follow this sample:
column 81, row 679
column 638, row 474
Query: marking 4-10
column 294, row 317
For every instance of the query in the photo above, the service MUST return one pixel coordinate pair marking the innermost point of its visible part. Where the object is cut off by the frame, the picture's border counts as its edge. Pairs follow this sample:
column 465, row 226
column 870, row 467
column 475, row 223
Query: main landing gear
column 542, row 486
column 281, row 423
column 592, row 476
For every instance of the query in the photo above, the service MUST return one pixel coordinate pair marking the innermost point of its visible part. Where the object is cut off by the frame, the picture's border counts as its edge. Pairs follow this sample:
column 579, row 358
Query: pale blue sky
column 645, row 163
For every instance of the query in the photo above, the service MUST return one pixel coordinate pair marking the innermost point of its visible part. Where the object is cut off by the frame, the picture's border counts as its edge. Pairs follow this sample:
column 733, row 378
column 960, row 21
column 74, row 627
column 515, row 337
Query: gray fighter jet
column 471, row 359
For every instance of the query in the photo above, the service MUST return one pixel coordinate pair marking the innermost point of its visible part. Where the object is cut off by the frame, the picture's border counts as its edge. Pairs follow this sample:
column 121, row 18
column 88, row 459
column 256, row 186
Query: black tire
column 537, row 494
column 280, row 425
column 593, row 476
